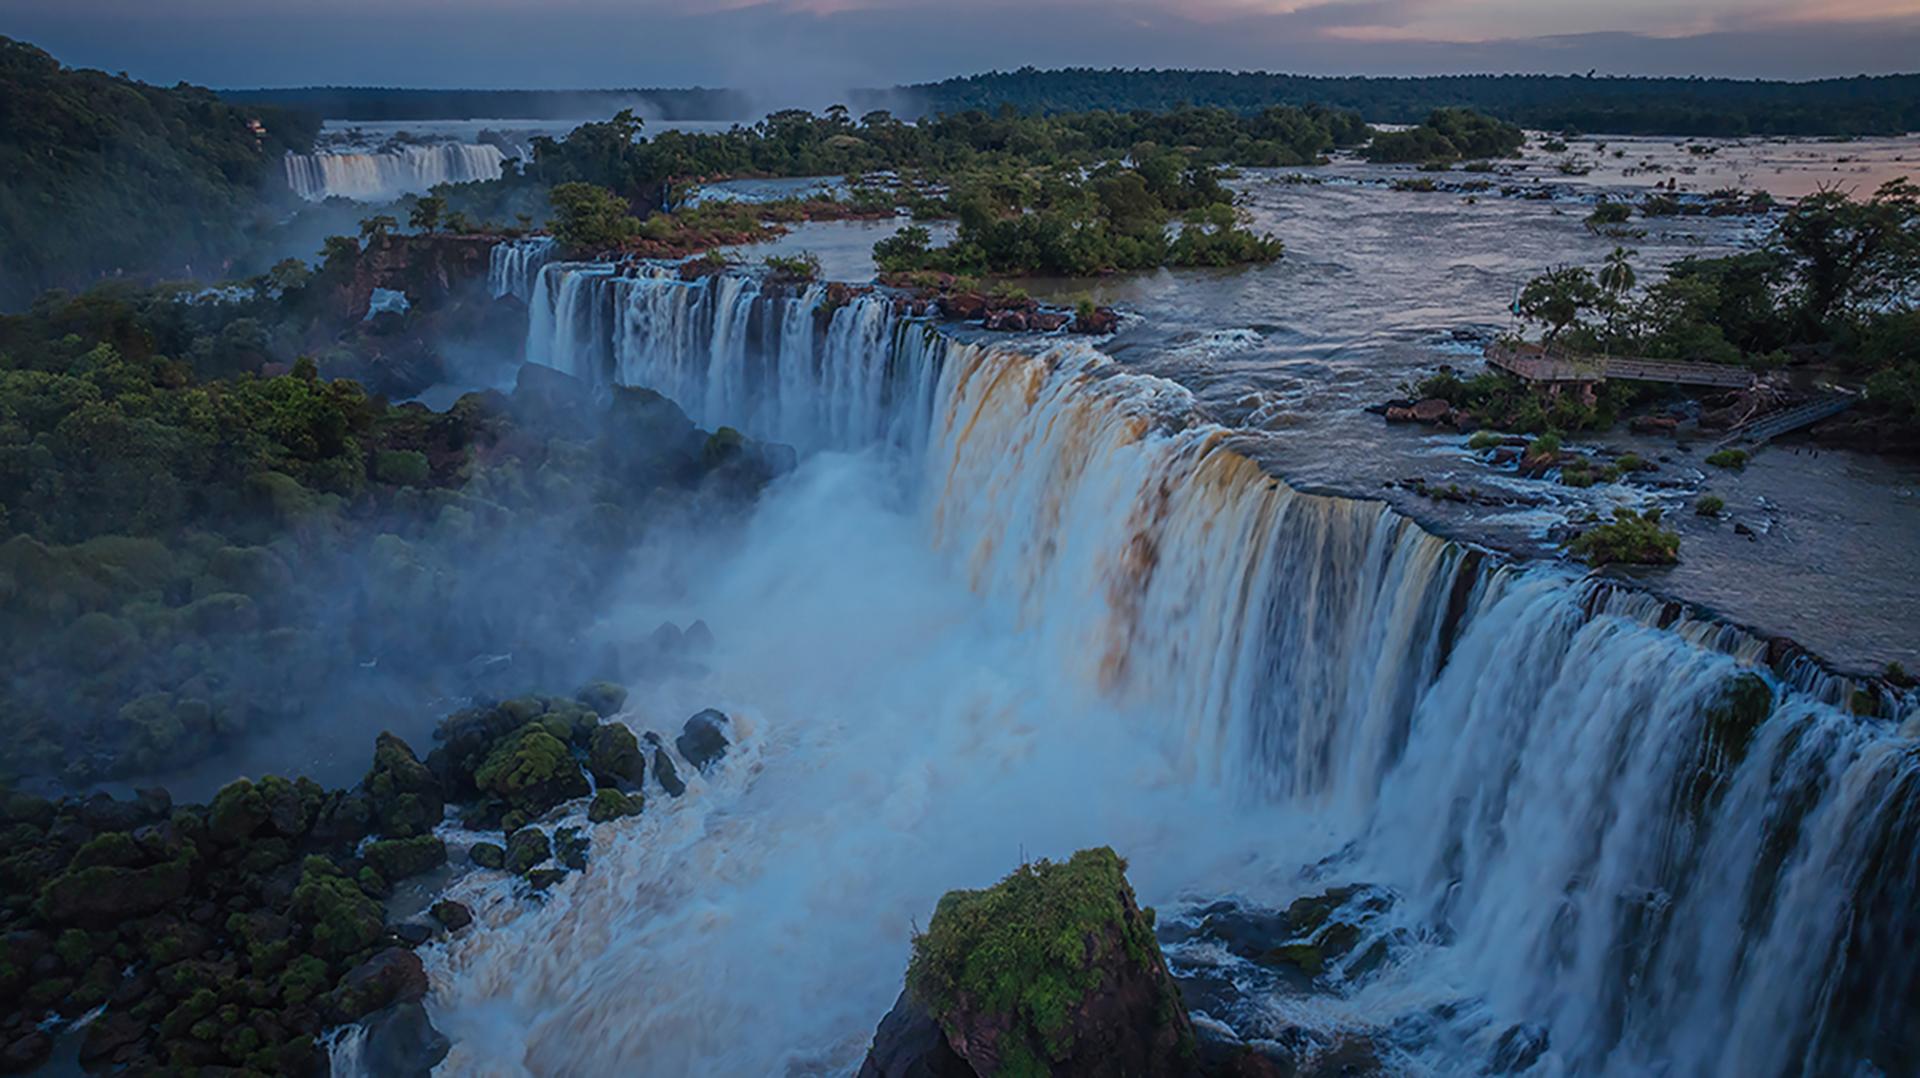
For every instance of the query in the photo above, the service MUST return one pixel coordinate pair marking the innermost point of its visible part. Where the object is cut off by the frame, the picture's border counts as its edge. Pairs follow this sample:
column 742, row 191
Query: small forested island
column 543, row 614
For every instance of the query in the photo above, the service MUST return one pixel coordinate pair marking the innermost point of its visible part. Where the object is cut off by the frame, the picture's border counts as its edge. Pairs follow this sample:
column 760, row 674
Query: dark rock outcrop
column 910, row 1044
column 703, row 741
column 402, row 1043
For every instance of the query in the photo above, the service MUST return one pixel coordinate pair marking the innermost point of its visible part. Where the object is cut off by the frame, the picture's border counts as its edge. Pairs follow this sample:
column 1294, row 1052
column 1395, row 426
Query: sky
column 813, row 48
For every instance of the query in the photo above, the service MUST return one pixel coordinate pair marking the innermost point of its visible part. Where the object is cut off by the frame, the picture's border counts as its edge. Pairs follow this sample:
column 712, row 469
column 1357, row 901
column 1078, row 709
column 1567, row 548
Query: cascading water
column 1099, row 620
column 377, row 177
column 514, row 266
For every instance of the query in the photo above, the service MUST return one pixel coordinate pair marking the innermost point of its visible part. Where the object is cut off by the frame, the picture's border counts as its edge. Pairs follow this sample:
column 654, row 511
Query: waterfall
column 776, row 364
column 379, row 177
column 514, row 267
column 1604, row 816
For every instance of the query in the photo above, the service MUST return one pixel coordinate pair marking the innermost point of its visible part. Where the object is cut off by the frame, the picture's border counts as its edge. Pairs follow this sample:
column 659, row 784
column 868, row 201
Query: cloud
column 807, row 51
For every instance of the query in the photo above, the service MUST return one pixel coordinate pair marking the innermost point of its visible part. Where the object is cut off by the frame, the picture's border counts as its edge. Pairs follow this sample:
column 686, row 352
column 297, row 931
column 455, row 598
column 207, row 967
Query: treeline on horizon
column 372, row 104
column 1861, row 105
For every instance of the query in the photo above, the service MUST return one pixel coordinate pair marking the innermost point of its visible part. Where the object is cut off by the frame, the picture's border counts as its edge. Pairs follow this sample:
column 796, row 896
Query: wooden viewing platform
column 1552, row 364
column 1762, row 429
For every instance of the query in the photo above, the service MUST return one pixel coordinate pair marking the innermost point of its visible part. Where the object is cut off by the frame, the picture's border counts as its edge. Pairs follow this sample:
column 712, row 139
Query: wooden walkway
column 1550, row 364
column 1765, row 428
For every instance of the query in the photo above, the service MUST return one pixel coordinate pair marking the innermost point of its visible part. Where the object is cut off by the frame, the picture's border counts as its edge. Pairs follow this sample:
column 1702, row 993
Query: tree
column 589, row 219
column 1556, row 298
column 377, row 225
column 426, row 212
column 1846, row 254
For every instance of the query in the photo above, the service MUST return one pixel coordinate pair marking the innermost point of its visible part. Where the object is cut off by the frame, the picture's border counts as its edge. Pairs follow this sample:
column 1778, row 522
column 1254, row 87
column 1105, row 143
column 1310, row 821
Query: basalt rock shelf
column 1600, row 833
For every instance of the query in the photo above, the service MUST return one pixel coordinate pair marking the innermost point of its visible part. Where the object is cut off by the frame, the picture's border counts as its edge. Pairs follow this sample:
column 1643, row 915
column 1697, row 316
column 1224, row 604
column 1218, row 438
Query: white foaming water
column 379, row 177
column 514, row 266
column 1085, row 618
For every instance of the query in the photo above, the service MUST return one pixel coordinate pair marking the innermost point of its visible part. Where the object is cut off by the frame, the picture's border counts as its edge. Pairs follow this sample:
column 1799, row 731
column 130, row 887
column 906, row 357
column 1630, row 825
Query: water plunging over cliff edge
column 1600, row 820
column 377, row 177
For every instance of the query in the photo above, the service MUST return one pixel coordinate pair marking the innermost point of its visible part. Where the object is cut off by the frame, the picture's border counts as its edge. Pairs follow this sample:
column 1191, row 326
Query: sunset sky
column 816, row 46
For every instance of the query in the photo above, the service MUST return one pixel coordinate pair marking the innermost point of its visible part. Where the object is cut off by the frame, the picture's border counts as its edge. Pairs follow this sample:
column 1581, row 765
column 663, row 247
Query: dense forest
column 1865, row 105
column 107, row 176
column 375, row 103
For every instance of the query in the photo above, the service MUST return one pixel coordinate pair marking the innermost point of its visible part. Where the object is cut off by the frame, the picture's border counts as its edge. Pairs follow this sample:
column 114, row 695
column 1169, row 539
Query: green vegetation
column 106, row 175
column 802, row 268
column 1030, row 949
column 1709, row 505
column 588, row 220
column 1733, row 459
column 1483, row 439
column 1448, row 134
column 1503, row 401
column 191, row 553
column 1884, row 105
column 1115, row 218
column 1630, row 538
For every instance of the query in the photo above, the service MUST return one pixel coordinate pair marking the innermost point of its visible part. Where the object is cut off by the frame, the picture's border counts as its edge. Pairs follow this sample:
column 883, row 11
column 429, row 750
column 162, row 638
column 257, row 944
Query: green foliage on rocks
column 1448, row 134
column 1630, row 538
column 1029, row 948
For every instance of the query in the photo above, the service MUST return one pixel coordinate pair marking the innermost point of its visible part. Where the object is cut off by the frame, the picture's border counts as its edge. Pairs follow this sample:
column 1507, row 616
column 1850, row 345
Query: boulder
column 25, row 1052
column 1009, row 320
column 963, row 307
column 910, row 1044
column 453, row 915
column 1431, row 410
column 1047, row 321
column 613, row 805
column 108, row 1035
column 663, row 770
column 488, row 855
column 526, row 848
column 400, row 858
column 394, row 975
column 1099, row 322
column 614, row 757
column 402, row 1043
column 988, row 972
column 405, row 796
column 703, row 740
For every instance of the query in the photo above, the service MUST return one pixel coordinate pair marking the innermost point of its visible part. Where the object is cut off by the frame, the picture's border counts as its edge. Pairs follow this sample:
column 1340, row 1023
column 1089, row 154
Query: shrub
column 1630, row 539
column 1708, row 505
column 1484, row 439
column 801, row 268
column 1735, row 459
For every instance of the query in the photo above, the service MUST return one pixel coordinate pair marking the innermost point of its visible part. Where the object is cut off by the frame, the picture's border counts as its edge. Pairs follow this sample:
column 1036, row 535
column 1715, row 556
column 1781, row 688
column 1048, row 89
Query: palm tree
column 1616, row 279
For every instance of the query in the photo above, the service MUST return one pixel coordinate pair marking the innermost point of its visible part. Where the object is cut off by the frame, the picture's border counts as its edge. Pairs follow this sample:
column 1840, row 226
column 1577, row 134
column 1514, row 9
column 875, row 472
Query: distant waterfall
column 1605, row 818
column 378, row 177
column 515, row 266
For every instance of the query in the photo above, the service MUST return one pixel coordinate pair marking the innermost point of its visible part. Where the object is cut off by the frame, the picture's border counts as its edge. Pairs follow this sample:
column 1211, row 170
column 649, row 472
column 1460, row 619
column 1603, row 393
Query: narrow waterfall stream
column 1017, row 600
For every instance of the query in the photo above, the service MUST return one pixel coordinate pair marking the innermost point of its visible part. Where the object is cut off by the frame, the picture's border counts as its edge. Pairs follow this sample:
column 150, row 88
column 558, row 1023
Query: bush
column 1630, row 539
column 402, row 467
column 1708, row 505
column 1484, row 439
column 802, row 268
column 1735, row 459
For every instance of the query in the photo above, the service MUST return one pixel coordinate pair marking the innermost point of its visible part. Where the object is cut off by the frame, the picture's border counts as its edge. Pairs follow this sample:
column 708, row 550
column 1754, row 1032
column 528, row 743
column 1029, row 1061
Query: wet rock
column 488, row 855
column 109, row 1035
column 703, row 740
column 1431, row 410
column 663, row 770
column 526, row 848
column 394, row 975
column 570, row 848
column 26, row 1052
column 614, row 757
column 237, row 812
column 910, row 1044
column 1047, row 321
column 401, row 1042
column 454, row 915
column 1099, row 322
column 1519, row 1048
column 604, row 697
column 1654, row 424
column 614, row 805
column 412, row 933
column 963, row 306
column 541, row 879
column 1009, row 321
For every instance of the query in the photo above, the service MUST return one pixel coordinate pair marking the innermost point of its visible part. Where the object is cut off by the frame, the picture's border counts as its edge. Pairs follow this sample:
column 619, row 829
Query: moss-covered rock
column 488, row 855
column 401, row 858
column 526, row 848
column 342, row 919
column 453, row 915
column 236, row 813
column 570, row 848
column 405, row 795
column 533, row 771
column 1055, row 970
column 613, row 805
column 614, row 757
column 604, row 697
